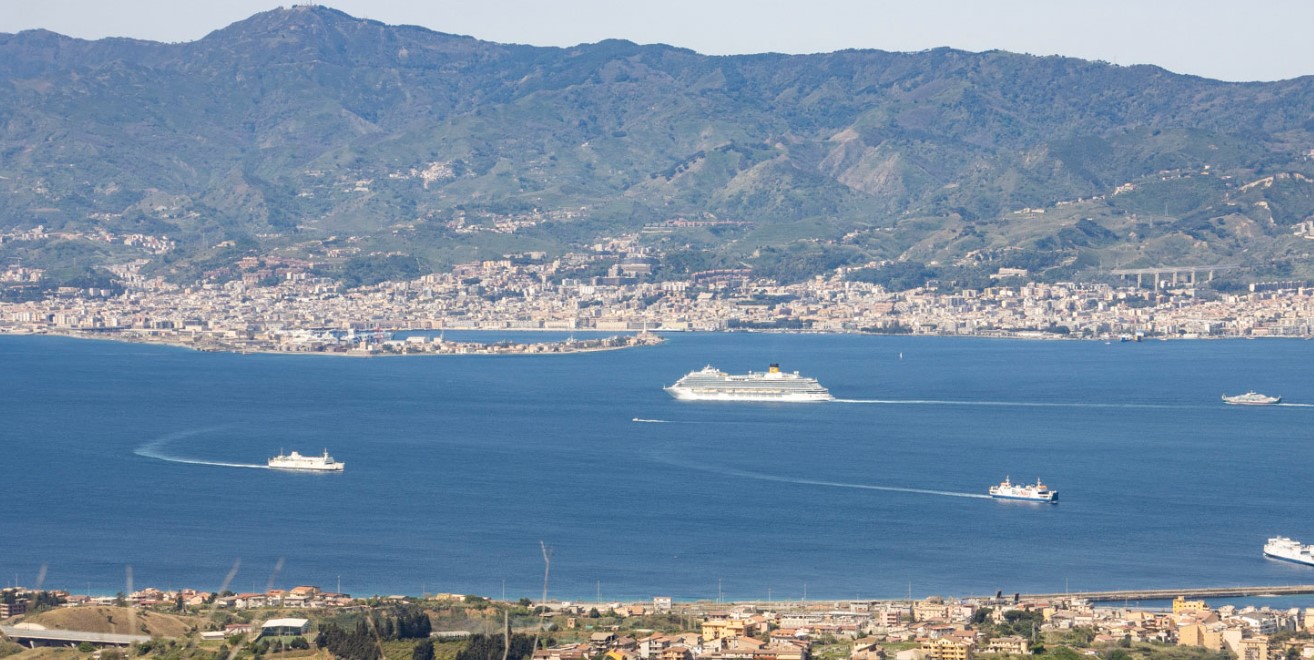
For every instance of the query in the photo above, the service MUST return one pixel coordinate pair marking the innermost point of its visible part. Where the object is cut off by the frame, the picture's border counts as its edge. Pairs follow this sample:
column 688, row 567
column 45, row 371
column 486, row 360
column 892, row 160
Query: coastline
column 610, row 342
column 566, row 347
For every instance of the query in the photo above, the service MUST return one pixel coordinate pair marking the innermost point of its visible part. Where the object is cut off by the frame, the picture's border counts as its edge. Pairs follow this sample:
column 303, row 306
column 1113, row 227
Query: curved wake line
column 1011, row 404
column 645, row 420
column 829, row 484
column 154, row 449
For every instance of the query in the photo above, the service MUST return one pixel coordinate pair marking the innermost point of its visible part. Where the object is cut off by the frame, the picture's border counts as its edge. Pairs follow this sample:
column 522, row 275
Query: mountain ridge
column 295, row 126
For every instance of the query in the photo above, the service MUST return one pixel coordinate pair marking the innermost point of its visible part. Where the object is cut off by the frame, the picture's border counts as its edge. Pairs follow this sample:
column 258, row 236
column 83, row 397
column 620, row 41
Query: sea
column 130, row 465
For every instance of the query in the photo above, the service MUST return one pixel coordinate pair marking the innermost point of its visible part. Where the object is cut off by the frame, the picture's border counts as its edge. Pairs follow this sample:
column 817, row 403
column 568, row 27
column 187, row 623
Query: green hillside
column 308, row 133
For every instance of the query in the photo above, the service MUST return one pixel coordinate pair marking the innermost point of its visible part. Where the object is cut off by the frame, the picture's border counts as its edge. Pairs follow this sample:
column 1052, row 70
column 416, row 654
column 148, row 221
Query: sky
column 1236, row 41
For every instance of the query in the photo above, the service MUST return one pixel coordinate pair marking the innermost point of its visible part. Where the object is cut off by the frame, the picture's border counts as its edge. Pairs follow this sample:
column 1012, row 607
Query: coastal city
column 708, row 331
column 280, row 305
column 933, row 628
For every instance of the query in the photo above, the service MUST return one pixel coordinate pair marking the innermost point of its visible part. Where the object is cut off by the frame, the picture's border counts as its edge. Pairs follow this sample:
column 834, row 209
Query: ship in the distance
column 1037, row 492
column 712, row 384
column 1251, row 398
column 295, row 461
column 1281, row 547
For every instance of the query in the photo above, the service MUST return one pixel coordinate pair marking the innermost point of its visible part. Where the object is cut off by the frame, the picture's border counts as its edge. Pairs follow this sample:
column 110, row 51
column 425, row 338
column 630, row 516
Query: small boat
column 1251, row 398
column 1037, row 492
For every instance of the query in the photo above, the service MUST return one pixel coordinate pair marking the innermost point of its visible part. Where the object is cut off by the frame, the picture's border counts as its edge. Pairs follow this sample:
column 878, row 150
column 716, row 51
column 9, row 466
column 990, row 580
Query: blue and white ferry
column 1037, row 492
column 1281, row 547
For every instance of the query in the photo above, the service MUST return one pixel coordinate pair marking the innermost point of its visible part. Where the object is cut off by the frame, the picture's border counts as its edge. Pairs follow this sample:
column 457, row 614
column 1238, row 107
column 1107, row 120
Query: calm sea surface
column 113, row 456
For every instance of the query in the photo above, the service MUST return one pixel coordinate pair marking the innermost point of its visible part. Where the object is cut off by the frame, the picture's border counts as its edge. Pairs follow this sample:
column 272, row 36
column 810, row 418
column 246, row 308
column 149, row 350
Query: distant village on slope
column 191, row 623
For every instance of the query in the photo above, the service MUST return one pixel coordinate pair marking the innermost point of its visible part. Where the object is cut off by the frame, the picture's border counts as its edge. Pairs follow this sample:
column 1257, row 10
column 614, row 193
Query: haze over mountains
column 293, row 130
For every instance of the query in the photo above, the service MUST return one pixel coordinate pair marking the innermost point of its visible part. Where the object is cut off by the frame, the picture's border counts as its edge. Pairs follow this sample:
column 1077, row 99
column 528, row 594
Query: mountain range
column 306, row 133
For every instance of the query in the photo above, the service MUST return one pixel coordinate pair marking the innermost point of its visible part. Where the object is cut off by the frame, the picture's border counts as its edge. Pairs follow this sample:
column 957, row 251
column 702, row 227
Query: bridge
column 1174, row 271
column 35, row 637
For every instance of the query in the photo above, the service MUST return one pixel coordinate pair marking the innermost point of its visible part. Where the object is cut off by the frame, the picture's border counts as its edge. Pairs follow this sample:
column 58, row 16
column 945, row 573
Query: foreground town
column 303, row 618
column 281, row 305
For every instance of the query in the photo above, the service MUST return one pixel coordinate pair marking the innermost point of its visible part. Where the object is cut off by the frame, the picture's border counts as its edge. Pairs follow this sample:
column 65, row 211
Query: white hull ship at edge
column 1281, row 547
column 1037, row 492
column 712, row 384
column 296, row 461
column 1251, row 398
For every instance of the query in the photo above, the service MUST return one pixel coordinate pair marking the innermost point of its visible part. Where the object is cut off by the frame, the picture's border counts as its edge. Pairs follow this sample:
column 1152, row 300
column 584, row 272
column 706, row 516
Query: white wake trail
column 155, row 449
column 1008, row 404
column 817, row 482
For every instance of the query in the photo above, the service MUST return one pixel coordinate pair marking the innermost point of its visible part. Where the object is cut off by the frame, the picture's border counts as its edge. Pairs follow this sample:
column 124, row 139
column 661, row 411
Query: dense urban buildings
column 933, row 628
column 280, row 305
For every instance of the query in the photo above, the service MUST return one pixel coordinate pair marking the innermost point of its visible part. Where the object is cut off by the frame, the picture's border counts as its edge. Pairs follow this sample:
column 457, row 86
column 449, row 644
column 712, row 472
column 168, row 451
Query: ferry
column 1038, row 492
column 1281, row 547
column 712, row 384
column 1251, row 398
column 295, row 461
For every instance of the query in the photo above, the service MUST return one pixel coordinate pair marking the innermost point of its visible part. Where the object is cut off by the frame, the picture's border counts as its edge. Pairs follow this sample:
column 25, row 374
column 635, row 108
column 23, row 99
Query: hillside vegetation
column 122, row 620
column 305, row 132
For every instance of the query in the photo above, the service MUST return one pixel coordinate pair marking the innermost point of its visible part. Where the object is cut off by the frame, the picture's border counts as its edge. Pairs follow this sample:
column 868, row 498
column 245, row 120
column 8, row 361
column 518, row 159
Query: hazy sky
column 1264, row 40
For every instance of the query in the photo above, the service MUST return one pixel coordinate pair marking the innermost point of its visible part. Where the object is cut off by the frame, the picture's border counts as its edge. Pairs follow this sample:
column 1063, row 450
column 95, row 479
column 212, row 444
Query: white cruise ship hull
column 685, row 394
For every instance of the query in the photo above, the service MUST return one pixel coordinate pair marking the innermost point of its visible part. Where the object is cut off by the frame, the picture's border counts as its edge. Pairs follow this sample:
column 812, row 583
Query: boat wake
column 1295, row 405
column 155, row 449
column 1006, row 404
column 818, row 482
column 641, row 420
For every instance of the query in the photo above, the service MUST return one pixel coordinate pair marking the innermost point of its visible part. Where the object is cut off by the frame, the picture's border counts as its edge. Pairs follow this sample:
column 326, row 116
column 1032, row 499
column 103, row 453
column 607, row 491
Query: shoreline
column 597, row 345
column 629, row 339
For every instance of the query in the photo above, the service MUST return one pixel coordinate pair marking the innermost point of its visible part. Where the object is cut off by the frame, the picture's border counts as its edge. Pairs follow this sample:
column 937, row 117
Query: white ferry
column 1281, row 547
column 712, row 384
column 295, row 461
column 1037, row 492
column 1251, row 398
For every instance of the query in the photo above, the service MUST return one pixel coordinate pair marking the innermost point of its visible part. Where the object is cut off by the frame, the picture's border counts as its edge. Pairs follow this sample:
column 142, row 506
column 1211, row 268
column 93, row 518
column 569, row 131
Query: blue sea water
column 458, row 466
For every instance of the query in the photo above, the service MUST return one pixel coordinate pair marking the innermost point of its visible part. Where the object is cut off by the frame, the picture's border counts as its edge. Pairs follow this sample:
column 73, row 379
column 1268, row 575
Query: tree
column 1064, row 653
column 423, row 650
column 486, row 647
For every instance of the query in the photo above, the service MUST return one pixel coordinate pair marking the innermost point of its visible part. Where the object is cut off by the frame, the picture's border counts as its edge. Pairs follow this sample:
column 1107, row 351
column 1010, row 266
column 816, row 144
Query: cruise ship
column 1037, row 492
column 295, row 461
column 1281, row 547
column 1251, row 398
column 712, row 384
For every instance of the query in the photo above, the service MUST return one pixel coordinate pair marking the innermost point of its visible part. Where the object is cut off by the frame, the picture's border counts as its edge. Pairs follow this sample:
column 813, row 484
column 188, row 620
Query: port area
column 1162, row 594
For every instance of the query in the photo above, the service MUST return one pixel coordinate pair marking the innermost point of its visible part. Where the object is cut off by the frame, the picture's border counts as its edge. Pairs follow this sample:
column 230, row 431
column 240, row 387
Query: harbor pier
column 1169, row 594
